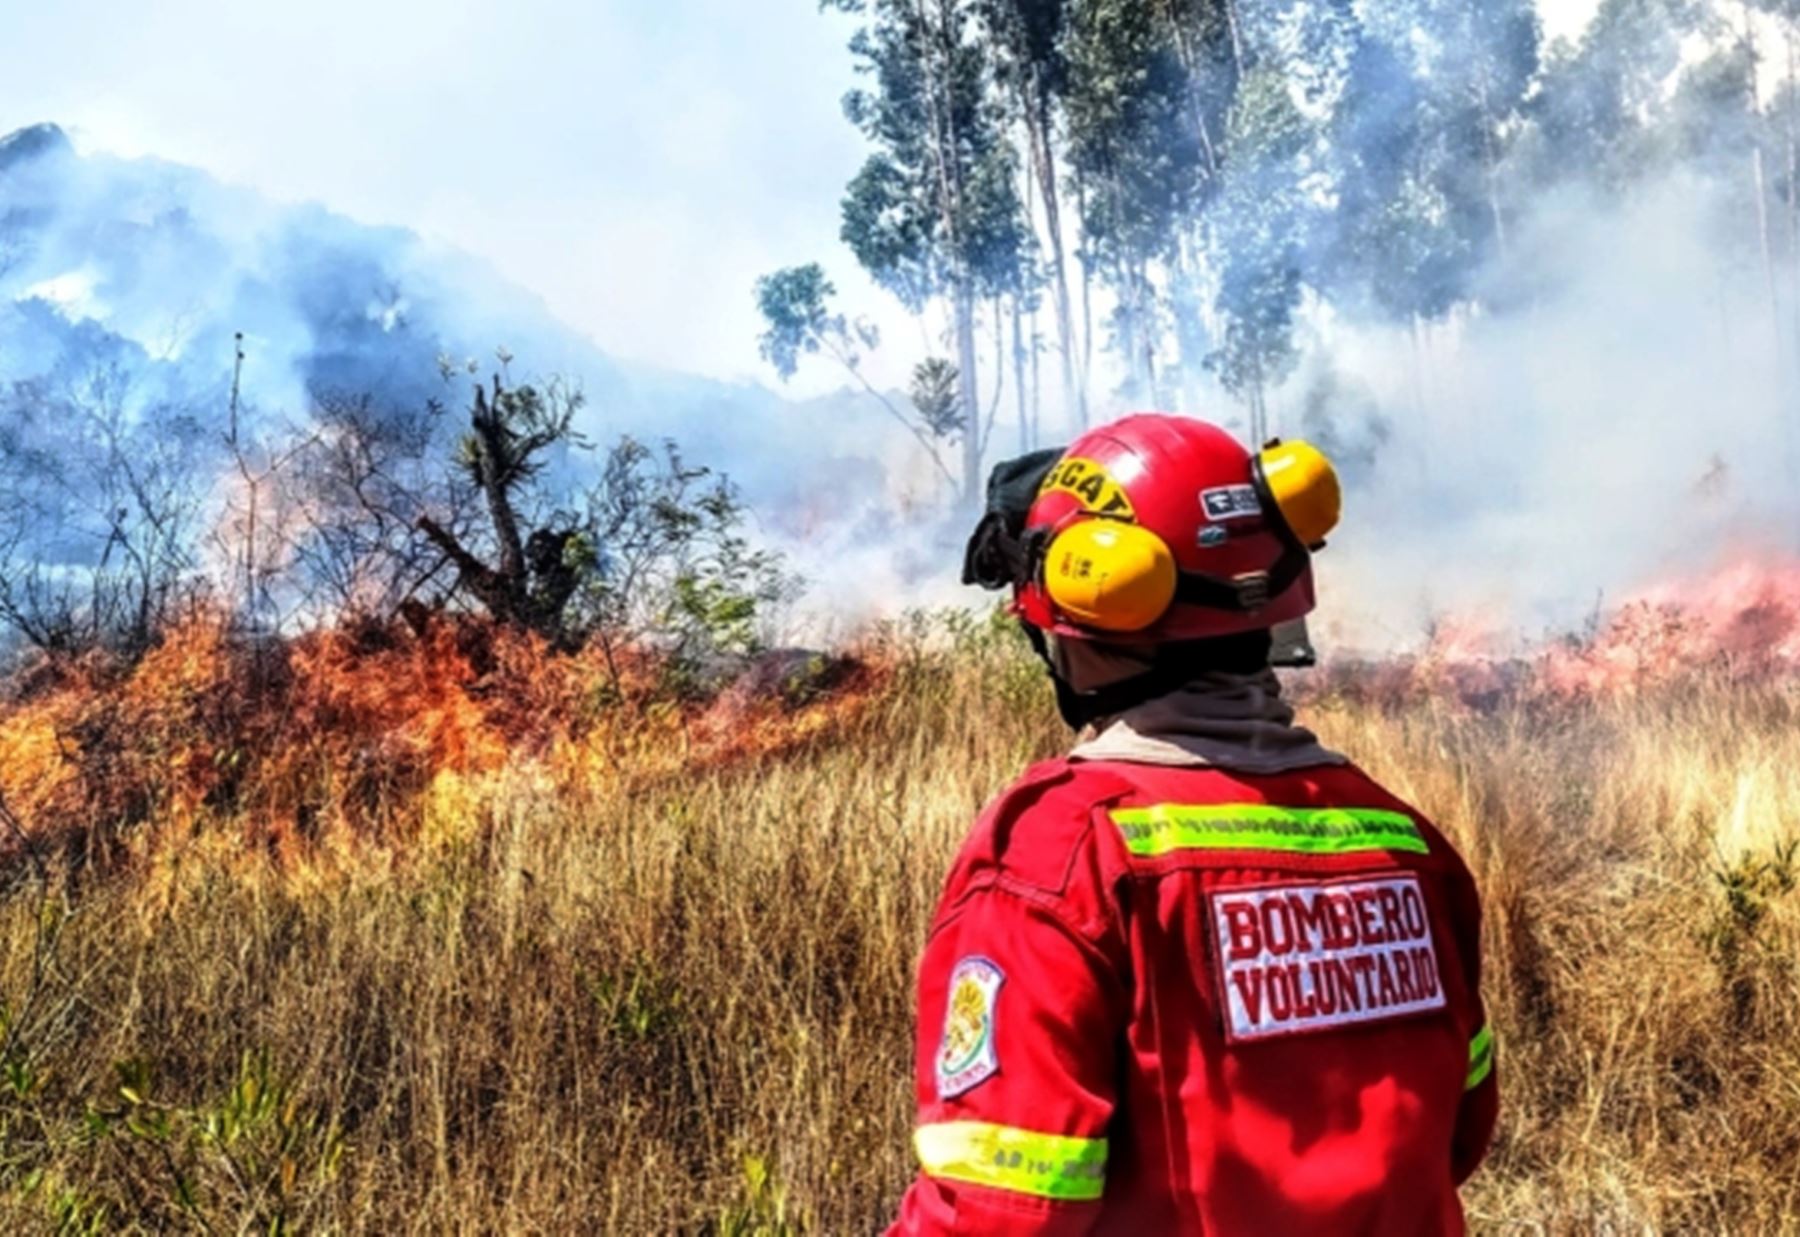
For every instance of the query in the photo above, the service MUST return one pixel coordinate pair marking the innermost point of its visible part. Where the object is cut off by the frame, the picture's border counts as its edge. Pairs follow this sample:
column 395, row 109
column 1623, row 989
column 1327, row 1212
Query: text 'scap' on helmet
column 1154, row 529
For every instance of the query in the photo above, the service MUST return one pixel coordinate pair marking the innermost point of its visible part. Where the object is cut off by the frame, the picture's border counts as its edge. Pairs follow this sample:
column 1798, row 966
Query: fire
column 1739, row 621
column 386, row 731
column 363, row 729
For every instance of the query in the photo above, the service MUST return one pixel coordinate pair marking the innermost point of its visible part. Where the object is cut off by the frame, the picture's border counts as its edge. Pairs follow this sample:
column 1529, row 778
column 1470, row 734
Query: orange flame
column 1740, row 621
column 348, row 727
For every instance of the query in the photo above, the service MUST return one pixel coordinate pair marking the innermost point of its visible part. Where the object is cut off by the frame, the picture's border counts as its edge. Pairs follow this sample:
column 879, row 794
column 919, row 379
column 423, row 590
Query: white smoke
column 1634, row 421
column 1630, row 414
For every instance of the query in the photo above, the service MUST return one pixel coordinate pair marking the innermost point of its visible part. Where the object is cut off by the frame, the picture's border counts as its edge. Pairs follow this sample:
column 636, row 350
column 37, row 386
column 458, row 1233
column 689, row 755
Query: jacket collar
column 1228, row 721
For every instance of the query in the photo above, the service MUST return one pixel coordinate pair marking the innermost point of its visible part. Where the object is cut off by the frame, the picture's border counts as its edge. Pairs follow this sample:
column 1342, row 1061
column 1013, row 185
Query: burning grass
column 544, row 962
column 354, row 733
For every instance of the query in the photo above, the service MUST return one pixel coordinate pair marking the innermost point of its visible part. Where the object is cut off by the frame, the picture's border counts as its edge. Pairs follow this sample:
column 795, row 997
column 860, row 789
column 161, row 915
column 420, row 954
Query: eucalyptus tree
column 1598, row 110
column 1031, row 65
column 1433, row 92
column 1139, row 156
column 934, row 215
column 1256, row 230
column 799, row 320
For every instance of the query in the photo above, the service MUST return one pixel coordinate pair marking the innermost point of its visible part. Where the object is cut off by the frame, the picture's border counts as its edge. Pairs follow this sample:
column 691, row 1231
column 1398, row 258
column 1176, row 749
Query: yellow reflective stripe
column 1165, row 828
column 1023, row 1161
column 1481, row 1058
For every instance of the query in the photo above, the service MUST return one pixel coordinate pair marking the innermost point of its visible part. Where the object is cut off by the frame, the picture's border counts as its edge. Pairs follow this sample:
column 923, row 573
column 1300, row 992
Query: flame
column 378, row 731
column 1739, row 621
column 363, row 729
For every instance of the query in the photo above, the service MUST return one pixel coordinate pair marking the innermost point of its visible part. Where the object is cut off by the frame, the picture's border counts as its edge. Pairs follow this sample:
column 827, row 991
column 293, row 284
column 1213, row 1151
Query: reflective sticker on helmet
column 967, row 1054
column 1092, row 484
column 1230, row 502
column 1295, row 958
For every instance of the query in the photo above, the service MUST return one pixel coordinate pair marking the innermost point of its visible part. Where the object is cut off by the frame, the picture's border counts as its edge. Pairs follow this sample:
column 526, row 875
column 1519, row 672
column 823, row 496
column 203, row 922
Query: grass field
column 668, row 990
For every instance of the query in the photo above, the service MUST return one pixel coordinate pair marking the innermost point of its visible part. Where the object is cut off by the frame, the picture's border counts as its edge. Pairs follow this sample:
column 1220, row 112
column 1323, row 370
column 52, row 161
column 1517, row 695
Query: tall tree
column 1431, row 93
column 1218, row 43
column 1255, row 229
column 1139, row 158
column 1600, row 101
column 534, row 573
column 934, row 214
column 795, row 304
column 1031, row 64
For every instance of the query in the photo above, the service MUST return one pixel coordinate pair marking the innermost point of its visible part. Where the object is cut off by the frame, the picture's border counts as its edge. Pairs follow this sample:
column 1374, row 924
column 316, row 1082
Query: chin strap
column 1079, row 709
column 1247, row 593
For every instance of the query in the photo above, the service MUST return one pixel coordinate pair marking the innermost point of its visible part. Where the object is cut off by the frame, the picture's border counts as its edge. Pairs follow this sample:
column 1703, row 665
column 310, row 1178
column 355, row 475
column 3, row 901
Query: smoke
column 1633, row 422
column 138, row 276
column 1540, row 421
column 1611, row 407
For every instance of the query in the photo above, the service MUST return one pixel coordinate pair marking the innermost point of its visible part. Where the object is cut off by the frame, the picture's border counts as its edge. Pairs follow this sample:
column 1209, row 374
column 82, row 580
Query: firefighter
column 1200, row 975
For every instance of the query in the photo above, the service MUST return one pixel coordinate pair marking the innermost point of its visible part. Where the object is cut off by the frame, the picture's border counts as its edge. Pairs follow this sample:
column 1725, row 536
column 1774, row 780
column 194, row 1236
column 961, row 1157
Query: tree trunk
column 1491, row 165
column 1183, row 27
column 1143, row 301
column 1128, row 331
column 1793, row 219
column 1043, row 163
column 1021, row 397
column 968, row 390
column 1760, row 188
column 1793, row 183
column 940, row 112
column 993, row 412
column 1190, row 330
column 1237, row 39
column 1087, row 296
column 1768, row 252
column 489, row 434
column 1037, row 389
column 1259, row 412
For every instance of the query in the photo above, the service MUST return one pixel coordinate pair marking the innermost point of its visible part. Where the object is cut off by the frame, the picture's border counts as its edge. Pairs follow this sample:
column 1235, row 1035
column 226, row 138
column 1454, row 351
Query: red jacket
column 1182, row 1000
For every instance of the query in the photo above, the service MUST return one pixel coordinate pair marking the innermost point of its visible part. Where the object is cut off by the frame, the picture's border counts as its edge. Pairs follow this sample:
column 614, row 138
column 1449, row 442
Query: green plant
column 1750, row 886
column 256, row 1152
column 761, row 1208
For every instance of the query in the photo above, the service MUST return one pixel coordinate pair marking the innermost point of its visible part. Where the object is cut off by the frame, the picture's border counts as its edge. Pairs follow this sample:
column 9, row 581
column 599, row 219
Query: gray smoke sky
column 636, row 164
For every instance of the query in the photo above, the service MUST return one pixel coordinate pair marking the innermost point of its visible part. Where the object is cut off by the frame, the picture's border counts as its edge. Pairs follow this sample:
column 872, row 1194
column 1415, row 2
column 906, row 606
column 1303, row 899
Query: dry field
column 649, row 979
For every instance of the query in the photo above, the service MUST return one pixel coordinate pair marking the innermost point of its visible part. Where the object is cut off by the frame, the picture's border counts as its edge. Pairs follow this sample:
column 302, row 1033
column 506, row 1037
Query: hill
column 145, row 271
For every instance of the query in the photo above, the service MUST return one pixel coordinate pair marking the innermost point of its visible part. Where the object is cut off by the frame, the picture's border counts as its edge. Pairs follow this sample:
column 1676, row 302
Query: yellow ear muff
column 1304, row 487
column 1110, row 575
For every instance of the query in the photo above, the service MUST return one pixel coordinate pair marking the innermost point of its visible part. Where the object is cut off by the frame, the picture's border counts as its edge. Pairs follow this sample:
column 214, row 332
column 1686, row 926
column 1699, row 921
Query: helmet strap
column 1246, row 594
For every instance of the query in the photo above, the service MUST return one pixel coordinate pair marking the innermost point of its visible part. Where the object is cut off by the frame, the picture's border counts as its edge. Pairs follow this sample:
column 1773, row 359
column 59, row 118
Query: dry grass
column 650, row 1004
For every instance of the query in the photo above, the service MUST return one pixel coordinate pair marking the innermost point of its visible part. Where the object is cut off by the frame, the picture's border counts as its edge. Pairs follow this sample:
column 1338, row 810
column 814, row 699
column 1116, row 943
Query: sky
column 636, row 164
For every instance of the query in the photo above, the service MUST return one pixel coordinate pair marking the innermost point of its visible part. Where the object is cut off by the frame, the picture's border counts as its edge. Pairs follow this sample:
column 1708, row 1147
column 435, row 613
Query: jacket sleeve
column 1018, row 1020
column 1480, row 1108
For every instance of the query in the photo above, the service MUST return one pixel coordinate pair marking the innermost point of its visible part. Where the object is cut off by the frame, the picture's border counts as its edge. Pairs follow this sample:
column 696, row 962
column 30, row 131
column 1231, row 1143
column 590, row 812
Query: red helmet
column 1159, row 528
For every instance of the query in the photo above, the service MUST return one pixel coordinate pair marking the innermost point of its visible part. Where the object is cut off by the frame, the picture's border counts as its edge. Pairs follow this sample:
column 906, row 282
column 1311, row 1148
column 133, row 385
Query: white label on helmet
column 1230, row 502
